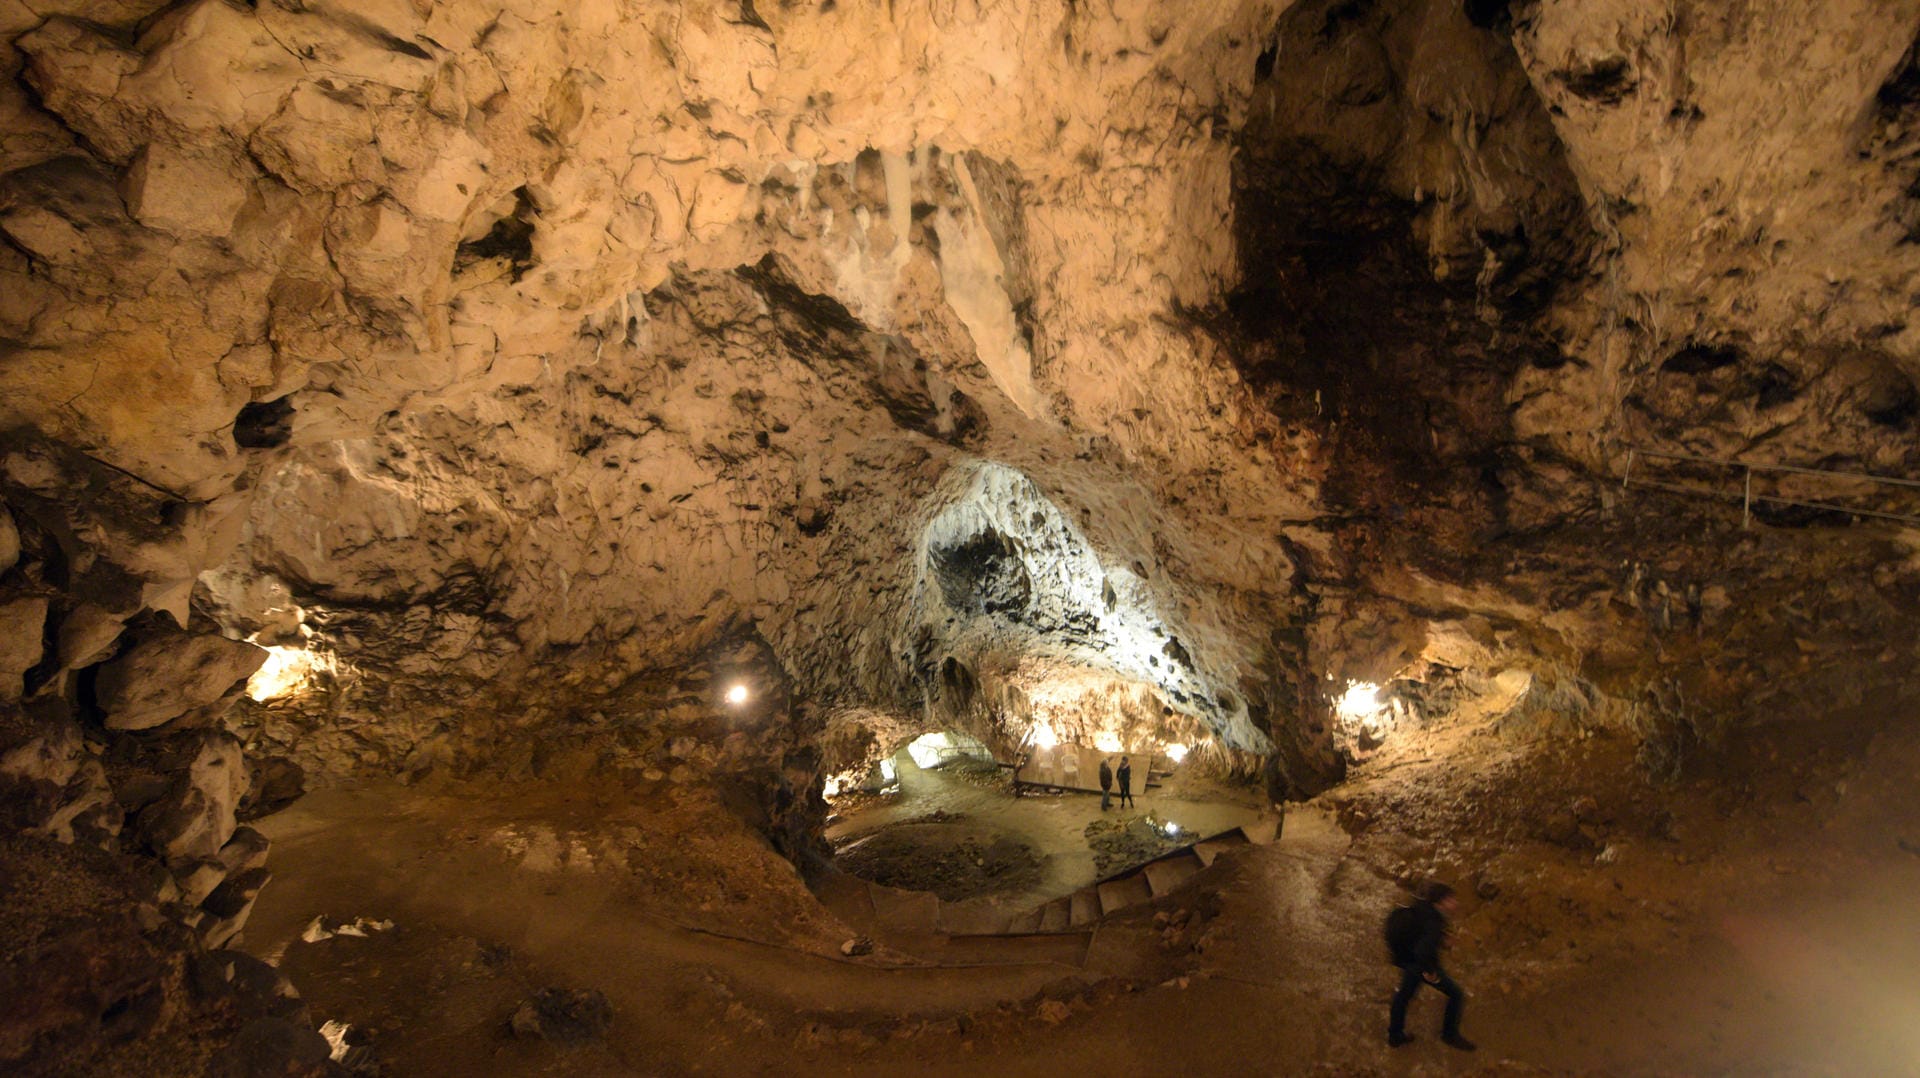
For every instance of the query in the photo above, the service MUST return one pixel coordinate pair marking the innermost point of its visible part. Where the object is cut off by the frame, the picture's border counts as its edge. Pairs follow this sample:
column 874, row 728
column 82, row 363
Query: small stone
column 858, row 945
column 563, row 1016
column 1053, row 1012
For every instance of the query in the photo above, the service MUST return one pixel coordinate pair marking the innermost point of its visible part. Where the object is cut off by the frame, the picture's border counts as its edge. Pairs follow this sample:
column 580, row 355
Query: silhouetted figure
column 1125, row 775
column 1106, row 782
column 1415, row 935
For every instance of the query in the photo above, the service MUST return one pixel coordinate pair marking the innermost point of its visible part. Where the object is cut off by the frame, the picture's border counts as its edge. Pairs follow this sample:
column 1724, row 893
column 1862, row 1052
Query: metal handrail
column 1763, row 466
column 1747, row 497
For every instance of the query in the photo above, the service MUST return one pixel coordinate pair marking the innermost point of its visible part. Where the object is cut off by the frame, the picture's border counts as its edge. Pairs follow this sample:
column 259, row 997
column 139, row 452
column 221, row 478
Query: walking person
column 1125, row 775
column 1415, row 935
column 1106, row 782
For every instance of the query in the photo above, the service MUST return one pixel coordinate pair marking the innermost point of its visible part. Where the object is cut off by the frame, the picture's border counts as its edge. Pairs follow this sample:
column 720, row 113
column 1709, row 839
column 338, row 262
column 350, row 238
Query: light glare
column 1361, row 699
column 926, row 750
column 737, row 694
column 1176, row 752
column 1044, row 736
column 285, row 671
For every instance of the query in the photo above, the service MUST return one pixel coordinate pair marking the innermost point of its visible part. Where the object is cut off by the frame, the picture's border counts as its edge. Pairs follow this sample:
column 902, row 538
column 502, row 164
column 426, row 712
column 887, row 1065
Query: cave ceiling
column 503, row 363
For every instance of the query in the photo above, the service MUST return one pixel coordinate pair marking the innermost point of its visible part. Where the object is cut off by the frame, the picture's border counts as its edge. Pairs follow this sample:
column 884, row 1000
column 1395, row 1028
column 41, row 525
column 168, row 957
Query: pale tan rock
column 86, row 634
column 185, row 192
column 171, row 673
column 196, row 817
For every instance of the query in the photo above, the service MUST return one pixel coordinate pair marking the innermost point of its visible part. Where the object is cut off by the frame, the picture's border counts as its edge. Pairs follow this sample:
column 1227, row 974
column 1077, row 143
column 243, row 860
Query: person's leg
column 1410, row 983
column 1456, row 1005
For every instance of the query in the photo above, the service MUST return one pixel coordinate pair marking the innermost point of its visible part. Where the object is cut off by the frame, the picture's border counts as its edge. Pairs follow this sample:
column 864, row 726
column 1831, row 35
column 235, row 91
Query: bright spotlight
column 737, row 695
column 1044, row 736
column 1107, row 742
column 287, row 670
column 1361, row 699
column 887, row 773
column 1176, row 752
column 1172, row 829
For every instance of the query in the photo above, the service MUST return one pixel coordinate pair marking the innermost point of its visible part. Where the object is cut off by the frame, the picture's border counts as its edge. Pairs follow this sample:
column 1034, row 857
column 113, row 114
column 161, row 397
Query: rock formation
column 443, row 388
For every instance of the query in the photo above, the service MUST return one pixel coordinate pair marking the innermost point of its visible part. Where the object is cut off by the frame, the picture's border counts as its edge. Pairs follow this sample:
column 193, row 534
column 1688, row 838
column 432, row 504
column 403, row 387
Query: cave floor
column 1754, row 918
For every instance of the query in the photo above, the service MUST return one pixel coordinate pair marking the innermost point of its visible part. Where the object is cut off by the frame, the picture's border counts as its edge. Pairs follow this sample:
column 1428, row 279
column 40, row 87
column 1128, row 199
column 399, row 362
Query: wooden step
column 1024, row 922
column 968, row 919
column 1214, row 847
column 904, row 911
column 1086, row 907
column 1165, row 875
column 1057, row 916
column 1262, row 832
column 1121, row 893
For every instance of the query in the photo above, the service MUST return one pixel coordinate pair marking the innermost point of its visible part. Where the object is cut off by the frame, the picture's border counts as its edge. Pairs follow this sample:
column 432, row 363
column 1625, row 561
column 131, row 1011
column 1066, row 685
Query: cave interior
column 626, row 539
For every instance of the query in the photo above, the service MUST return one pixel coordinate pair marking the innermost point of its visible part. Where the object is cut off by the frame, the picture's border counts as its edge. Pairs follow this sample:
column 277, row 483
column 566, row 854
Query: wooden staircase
column 1082, row 910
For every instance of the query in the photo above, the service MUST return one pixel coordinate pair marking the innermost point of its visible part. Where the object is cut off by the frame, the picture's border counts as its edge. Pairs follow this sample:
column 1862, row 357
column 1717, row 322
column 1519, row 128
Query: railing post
column 1746, row 506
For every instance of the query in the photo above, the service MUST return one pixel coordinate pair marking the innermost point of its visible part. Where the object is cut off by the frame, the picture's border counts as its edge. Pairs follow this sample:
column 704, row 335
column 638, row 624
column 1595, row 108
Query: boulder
column 254, row 988
column 277, row 783
column 195, row 818
column 196, row 879
column 51, row 785
column 9, row 540
column 563, row 1015
column 232, row 898
column 247, row 849
column 170, row 674
column 22, row 622
column 277, row 1047
column 225, row 911
column 86, row 634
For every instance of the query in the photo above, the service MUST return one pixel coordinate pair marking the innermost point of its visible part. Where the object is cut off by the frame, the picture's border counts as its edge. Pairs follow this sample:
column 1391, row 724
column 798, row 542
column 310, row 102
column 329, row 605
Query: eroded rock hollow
column 694, row 404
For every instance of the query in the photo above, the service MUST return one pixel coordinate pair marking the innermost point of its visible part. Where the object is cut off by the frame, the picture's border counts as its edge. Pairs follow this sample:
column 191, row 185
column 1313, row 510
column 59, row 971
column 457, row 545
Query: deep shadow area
column 1386, row 297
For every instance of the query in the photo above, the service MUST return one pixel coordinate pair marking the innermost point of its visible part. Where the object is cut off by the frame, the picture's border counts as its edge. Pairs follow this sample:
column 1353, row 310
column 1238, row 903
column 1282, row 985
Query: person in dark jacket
column 1106, row 782
column 1125, row 775
column 1419, row 964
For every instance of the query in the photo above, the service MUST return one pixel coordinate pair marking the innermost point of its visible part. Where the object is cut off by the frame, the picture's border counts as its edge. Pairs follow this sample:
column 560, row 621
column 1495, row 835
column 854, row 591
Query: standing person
column 1125, row 775
column 1106, row 782
column 1415, row 935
